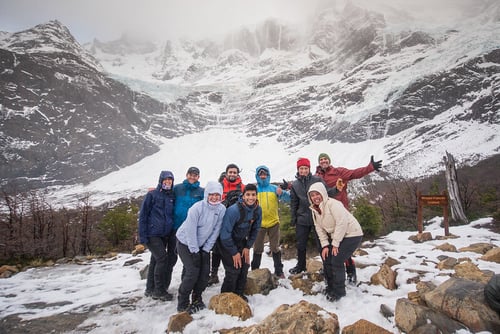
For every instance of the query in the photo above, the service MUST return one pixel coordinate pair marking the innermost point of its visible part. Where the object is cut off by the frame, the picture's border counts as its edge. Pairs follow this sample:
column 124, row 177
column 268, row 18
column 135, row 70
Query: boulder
column 470, row 271
column 463, row 300
column 231, row 304
column 493, row 255
column 302, row 317
column 364, row 327
column 410, row 316
column 480, row 248
column 446, row 247
column 421, row 237
column 385, row 277
column 178, row 322
column 260, row 281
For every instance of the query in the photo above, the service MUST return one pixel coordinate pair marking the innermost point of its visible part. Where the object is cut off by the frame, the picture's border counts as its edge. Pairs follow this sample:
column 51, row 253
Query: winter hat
column 303, row 162
column 324, row 155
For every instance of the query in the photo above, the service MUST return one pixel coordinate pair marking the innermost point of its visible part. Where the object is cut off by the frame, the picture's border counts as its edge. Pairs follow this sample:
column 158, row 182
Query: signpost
column 433, row 200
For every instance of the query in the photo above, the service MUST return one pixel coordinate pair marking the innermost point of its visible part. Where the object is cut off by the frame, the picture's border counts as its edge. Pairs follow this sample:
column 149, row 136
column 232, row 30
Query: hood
column 212, row 187
column 163, row 175
column 319, row 187
column 260, row 182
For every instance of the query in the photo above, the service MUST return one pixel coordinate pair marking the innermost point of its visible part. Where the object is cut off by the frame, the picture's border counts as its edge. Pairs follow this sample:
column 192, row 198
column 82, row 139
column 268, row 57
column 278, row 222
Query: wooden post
column 420, row 224
column 445, row 216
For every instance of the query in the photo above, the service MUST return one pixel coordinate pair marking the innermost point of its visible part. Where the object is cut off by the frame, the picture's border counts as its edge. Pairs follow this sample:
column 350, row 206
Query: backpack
column 231, row 197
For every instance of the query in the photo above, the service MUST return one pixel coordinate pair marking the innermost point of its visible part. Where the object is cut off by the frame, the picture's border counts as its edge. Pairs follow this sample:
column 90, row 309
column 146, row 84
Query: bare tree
column 457, row 211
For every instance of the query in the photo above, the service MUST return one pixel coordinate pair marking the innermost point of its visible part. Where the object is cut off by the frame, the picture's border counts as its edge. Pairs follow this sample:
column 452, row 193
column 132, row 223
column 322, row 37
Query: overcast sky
column 108, row 19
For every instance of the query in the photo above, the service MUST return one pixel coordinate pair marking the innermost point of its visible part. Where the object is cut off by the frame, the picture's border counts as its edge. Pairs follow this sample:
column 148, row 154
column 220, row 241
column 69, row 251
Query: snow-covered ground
column 105, row 280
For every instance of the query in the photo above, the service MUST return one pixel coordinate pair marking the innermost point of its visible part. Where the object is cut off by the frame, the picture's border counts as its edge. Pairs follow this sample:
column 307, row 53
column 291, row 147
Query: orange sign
column 434, row 199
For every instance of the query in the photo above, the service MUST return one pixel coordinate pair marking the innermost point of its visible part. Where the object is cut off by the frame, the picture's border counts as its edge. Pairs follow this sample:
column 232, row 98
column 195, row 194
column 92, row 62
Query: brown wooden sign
column 438, row 200
column 434, row 199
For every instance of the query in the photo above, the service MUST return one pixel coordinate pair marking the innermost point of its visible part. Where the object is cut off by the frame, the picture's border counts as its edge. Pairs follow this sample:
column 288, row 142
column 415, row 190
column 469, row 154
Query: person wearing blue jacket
column 186, row 194
column 239, row 230
column 195, row 238
column 268, row 196
column 156, row 223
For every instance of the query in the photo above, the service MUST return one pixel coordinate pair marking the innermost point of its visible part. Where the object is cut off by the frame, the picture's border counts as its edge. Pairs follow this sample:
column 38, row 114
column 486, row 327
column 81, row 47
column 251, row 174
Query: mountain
column 71, row 114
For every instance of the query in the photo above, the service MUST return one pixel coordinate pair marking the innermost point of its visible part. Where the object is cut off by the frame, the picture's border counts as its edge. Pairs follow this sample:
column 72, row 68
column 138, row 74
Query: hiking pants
column 194, row 273
column 334, row 268
column 157, row 265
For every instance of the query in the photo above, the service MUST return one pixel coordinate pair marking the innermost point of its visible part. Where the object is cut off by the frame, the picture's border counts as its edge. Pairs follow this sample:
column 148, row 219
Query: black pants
column 157, row 265
column 302, row 234
column 235, row 279
column 194, row 273
column 334, row 266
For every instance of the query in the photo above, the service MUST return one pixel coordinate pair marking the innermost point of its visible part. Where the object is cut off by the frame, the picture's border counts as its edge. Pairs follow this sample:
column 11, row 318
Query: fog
column 108, row 20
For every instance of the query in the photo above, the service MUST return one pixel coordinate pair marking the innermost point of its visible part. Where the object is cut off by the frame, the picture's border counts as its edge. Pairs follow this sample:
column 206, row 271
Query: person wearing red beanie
column 301, row 216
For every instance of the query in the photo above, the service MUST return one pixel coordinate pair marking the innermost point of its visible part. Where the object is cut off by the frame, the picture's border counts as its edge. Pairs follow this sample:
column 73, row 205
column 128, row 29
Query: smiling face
column 303, row 170
column 324, row 162
column 192, row 177
column 250, row 197
column 315, row 197
column 232, row 174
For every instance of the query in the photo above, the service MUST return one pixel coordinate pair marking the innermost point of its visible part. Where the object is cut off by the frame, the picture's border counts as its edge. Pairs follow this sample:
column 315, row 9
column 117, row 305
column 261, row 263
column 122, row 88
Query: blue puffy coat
column 186, row 194
column 156, row 218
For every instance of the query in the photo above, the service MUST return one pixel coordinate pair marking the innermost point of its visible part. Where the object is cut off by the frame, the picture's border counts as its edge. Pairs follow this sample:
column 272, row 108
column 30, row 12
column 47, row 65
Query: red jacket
column 228, row 186
column 332, row 174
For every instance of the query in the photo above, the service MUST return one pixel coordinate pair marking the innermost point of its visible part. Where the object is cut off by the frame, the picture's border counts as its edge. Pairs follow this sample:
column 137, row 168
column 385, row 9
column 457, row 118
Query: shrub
column 118, row 224
column 368, row 216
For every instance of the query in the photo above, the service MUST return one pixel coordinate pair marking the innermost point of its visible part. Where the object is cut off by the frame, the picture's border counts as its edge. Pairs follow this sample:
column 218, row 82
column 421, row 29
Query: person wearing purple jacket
column 195, row 238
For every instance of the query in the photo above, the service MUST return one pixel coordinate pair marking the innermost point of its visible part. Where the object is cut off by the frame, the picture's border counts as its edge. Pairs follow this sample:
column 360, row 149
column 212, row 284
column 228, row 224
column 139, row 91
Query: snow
column 106, row 280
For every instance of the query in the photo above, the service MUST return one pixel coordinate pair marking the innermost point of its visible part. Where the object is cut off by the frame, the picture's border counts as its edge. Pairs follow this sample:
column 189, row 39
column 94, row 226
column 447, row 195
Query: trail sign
column 436, row 200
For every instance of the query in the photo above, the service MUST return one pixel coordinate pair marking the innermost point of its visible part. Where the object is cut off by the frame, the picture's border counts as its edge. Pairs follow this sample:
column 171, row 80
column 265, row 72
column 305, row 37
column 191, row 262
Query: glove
column 376, row 164
column 284, row 185
column 196, row 257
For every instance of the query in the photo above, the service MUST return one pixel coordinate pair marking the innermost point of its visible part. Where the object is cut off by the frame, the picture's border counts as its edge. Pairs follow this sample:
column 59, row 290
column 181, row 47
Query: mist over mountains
column 71, row 114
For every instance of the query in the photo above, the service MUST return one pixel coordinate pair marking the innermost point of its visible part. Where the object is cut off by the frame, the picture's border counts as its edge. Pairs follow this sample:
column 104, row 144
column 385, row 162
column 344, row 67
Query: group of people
column 203, row 228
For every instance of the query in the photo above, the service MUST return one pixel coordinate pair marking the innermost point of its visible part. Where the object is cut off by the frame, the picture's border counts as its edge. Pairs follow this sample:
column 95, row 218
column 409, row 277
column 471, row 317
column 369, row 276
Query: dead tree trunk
column 457, row 211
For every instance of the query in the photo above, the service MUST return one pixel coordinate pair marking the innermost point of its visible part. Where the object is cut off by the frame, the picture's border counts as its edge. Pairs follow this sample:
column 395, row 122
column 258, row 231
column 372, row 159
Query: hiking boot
column 350, row 270
column 196, row 305
column 213, row 279
column 281, row 275
column 148, row 293
column 296, row 270
column 244, row 297
column 164, row 297
column 351, row 278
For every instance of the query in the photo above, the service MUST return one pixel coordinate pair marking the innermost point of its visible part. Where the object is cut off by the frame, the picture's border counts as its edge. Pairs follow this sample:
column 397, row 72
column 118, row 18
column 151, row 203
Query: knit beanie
column 324, row 155
column 303, row 162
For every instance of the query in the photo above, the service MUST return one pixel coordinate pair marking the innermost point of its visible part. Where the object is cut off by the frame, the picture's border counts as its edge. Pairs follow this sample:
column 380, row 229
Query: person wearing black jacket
column 301, row 213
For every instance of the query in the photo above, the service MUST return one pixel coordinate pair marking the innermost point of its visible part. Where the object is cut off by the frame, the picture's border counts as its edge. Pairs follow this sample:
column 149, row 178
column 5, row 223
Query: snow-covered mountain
column 351, row 79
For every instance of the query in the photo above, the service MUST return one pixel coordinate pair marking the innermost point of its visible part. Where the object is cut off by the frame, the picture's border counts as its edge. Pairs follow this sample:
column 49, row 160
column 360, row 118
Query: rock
column 7, row 271
column 139, row 249
column 421, row 237
column 493, row 255
column 364, row 326
column 314, row 266
column 391, row 262
column 470, row 271
column 144, row 272
column 386, row 311
column 409, row 316
column 448, row 263
column 231, row 304
column 446, row 247
column 480, row 248
column 302, row 317
column 306, row 282
column 178, row 322
column 131, row 262
column 260, row 281
column 385, row 277
column 463, row 300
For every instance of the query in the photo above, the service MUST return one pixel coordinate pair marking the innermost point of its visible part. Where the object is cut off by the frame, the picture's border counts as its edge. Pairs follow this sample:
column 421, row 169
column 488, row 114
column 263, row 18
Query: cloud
column 107, row 20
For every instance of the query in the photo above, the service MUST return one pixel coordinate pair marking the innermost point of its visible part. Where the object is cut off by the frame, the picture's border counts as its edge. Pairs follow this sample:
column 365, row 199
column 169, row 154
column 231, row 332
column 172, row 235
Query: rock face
column 64, row 120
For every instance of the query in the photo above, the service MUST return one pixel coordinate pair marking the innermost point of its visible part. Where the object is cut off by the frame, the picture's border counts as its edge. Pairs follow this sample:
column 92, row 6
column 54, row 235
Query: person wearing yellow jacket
column 268, row 196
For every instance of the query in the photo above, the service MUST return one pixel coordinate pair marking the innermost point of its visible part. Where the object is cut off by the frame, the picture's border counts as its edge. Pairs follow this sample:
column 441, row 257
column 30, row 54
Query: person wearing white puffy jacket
column 339, row 234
